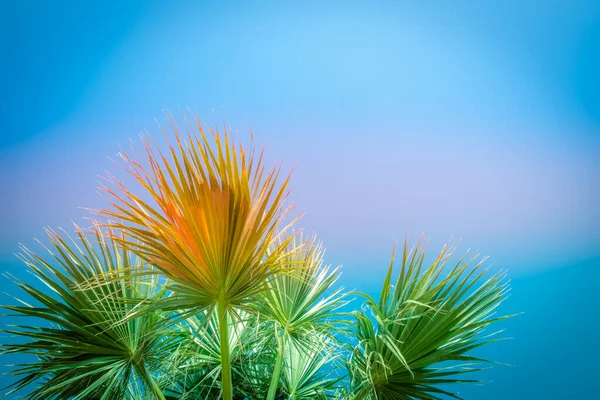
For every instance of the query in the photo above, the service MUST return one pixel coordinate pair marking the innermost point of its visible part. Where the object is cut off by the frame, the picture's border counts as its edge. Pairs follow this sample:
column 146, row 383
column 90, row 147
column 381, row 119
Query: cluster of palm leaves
column 193, row 285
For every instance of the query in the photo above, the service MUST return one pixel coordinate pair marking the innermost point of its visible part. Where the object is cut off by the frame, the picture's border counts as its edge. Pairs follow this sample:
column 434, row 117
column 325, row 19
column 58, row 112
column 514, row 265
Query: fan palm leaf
column 420, row 322
column 298, row 304
column 212, row 222
column 308, row 371
column 88, row 347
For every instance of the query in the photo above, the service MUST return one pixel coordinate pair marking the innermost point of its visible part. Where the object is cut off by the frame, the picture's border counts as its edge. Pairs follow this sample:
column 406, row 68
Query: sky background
column 478, row 121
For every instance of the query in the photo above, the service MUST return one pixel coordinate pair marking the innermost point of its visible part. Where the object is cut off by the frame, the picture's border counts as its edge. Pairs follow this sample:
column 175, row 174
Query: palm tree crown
column 193, row 287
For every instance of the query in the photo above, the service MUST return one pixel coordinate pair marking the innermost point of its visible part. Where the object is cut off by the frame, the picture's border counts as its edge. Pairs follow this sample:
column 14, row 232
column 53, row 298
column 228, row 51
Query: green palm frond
column 298, row 304
column 85, row 345
column 432, row 315
column 197, row 361
column 298, row 300
column 309, row 371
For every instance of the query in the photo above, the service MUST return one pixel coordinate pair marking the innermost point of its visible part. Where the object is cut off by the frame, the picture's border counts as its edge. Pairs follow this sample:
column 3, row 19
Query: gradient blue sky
column 466, row 119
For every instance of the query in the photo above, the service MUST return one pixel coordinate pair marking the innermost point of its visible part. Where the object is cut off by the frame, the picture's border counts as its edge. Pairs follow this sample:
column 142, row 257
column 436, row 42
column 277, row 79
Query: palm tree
column 89, row 347
column 211, row 225
column 194, row 288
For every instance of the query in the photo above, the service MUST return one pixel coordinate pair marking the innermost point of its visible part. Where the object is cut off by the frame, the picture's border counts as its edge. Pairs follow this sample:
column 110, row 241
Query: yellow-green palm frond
column 423, row 320
column 207, row 215
column 85, row 345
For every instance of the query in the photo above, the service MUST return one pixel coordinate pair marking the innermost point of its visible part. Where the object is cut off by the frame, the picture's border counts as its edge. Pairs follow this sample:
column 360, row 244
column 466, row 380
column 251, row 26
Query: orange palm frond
column 214, row 214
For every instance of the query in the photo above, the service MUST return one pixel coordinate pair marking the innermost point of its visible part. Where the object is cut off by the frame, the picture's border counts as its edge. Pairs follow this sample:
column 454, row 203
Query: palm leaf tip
column 207, row 215
column 429, row 316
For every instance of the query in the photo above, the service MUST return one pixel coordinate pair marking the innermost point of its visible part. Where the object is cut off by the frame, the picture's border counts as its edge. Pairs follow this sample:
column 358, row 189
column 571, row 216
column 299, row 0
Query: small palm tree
column 194, row 288
column 89, row 348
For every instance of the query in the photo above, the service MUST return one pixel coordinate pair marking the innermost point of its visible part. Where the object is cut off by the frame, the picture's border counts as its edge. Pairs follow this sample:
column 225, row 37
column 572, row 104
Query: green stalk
column 226, row 386
column 278, row 365
column 147, row 376
column 157, row 392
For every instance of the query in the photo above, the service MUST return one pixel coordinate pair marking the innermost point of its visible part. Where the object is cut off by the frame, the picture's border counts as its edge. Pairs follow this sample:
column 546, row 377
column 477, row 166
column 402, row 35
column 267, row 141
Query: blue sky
column 460, row 119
